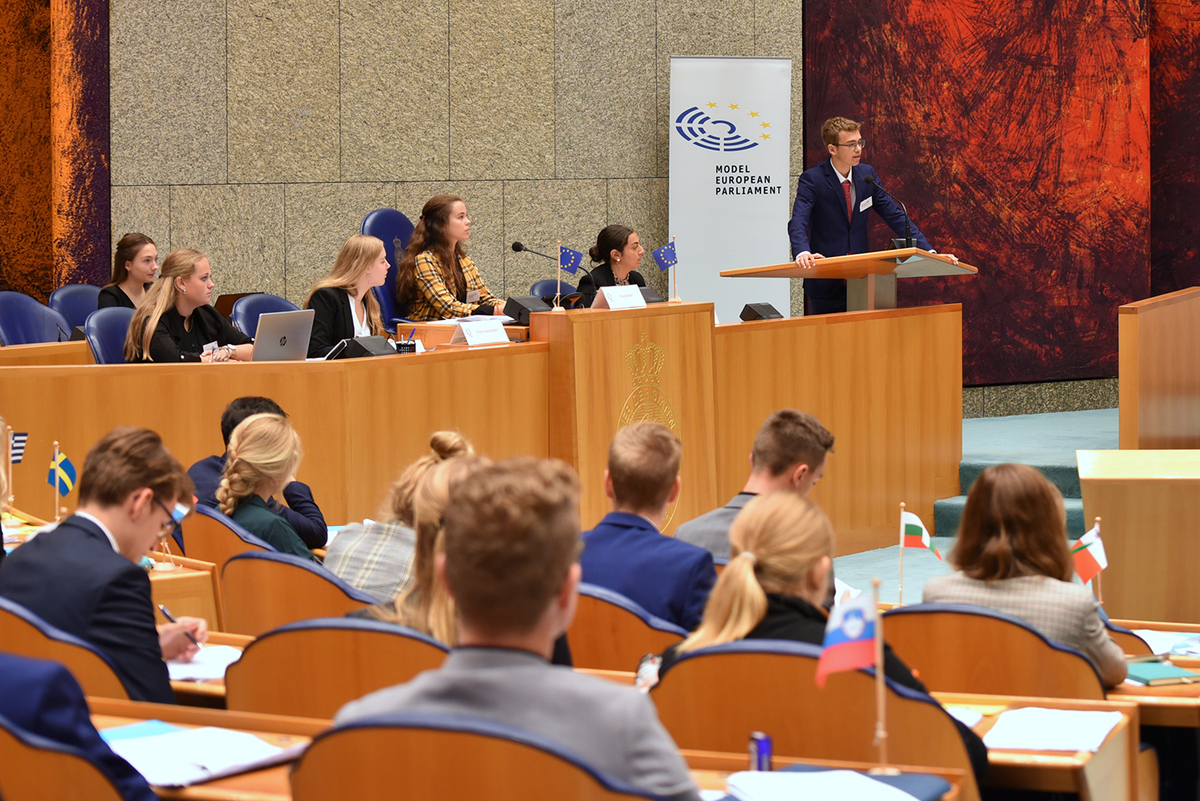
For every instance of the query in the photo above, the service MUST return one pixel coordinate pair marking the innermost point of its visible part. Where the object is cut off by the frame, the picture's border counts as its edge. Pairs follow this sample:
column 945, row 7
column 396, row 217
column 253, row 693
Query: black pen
column 171, row 618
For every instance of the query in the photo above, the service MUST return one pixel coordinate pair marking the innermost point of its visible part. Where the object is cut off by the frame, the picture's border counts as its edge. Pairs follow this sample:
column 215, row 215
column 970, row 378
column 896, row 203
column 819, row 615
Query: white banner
column 729, row 207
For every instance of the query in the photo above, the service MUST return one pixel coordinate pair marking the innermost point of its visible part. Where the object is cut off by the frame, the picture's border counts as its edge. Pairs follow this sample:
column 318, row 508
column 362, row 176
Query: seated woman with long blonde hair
column 343, row 301
column 775, row 583
column 263, row 455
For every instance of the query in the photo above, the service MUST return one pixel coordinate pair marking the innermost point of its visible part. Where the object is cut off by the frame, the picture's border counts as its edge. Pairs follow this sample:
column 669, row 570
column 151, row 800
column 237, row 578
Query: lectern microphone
column 908, row 240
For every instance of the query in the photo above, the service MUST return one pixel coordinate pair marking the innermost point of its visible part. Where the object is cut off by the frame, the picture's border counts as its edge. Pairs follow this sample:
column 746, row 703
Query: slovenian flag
column 849, row 638
column 1089, row 555
column 62, row 475
column 665, row 257
column 569, row 260
column 915, row 534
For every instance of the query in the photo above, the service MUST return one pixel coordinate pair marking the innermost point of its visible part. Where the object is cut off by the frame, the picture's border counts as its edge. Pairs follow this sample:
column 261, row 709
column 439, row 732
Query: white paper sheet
column 195, row 755
column 209, row 663
column 1038, row 729
column 833, row 785
column 967, row 717
column 1161, row 642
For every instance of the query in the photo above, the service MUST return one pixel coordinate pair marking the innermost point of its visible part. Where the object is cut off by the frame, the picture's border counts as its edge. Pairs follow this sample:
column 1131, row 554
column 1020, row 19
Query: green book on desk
column 1157, row 674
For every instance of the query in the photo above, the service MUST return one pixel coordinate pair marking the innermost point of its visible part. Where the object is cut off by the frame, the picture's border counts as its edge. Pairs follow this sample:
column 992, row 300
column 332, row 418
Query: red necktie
column 849, row 203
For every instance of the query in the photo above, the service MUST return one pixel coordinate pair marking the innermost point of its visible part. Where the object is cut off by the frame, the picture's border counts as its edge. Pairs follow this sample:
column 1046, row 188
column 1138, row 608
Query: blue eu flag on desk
column 62, row 475
column 665, row 256
column 568, row 259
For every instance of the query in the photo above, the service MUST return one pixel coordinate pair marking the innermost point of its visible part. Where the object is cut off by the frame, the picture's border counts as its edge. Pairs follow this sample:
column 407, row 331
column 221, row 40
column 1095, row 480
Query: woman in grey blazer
column 1012, row 555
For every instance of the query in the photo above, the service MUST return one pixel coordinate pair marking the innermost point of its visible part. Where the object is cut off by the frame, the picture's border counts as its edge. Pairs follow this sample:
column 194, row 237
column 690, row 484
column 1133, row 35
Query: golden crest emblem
column 647, row 401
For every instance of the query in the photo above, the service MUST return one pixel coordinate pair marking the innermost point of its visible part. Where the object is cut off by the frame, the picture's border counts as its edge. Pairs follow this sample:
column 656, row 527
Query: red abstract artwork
column 1018, row 134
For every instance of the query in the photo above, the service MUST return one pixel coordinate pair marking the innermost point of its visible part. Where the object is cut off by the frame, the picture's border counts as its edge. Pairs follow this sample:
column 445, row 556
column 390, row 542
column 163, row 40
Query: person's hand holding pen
column 181, row 637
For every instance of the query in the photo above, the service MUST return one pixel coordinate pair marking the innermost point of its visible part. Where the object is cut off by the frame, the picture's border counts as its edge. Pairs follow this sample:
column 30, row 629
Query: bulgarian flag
column 1088, row 551
column 849, row 638
column 914, row 535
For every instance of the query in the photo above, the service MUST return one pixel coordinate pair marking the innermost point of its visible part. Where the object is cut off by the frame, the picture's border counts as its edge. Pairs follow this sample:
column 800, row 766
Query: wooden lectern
column 870, row 277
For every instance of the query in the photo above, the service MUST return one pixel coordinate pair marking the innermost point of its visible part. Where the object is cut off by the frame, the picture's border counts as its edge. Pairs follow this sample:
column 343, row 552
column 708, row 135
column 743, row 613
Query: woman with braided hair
column 264, row 452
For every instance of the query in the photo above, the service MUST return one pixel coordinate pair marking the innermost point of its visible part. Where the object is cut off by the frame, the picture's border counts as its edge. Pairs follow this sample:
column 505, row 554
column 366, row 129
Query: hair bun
column 448, row 444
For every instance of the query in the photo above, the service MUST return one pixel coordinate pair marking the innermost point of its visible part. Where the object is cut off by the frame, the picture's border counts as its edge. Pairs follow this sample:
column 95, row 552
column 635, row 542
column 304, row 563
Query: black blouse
column 602, row 276
column 172, row 343
column 115, row 296
column 332, row 322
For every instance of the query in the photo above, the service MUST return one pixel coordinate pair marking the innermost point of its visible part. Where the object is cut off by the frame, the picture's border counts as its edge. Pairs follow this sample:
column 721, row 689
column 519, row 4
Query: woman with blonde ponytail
column 264, row 452
column 174, row 323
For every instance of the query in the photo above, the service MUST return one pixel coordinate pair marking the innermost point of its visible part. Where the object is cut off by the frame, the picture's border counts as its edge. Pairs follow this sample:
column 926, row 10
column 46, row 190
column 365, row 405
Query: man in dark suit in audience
column 626, row 552
column 301, row 512
column 789, row 453
column 84, row 576
column 511, row 544
column 43, row 698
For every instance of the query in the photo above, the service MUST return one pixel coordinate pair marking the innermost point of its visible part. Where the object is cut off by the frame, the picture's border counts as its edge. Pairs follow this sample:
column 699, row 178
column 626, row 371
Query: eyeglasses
column 857, row 144
column 176, row 516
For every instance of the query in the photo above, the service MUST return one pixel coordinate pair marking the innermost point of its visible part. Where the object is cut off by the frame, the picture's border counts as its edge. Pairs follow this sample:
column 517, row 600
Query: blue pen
column 412, row 333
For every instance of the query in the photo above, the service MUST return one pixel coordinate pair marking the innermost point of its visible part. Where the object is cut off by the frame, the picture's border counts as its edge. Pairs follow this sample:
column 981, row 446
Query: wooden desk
column 186, row 591
column 433, row 336
column 1109, row 773
column 1159, row 365
column 1149, row 506
column 78, row 352
column 210, row 693
column 887, row 384
column 361, row 420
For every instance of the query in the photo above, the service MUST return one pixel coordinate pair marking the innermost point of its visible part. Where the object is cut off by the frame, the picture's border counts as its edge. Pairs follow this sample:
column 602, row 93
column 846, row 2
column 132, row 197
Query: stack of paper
column 834, row 785
column 1038, row 729
column 169, row 756
column 209, row 663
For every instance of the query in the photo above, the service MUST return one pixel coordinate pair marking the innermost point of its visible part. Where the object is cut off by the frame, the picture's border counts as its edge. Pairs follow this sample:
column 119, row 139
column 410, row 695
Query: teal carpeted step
column 948, row 511
column 1063, row 476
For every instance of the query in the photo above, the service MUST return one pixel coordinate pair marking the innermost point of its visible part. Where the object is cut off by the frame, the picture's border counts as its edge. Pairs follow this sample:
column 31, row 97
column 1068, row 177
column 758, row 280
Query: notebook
column 283, row 336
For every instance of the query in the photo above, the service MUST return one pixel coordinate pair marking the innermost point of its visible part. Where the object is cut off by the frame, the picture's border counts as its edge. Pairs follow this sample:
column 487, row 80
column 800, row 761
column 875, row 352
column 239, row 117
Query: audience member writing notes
column 181, row 757
column 1037, row 729
column 209, row 663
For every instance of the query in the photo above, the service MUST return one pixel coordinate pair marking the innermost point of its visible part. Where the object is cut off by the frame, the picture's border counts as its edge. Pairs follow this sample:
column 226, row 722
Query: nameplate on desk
column 619, row 297
column 480, row 332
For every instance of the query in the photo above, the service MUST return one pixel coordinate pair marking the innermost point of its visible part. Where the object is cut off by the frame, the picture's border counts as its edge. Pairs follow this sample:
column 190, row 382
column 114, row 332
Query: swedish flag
column 568, row 259
column 665, row 256
column 62, row 475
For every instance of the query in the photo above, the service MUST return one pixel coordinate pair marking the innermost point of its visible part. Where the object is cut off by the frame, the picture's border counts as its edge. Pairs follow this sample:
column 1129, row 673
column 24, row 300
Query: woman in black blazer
column 344, row 303
column 619, row 253
column 134, row 265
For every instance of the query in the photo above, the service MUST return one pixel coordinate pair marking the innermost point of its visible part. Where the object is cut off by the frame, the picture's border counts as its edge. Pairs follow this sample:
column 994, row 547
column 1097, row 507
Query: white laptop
column 283, row 336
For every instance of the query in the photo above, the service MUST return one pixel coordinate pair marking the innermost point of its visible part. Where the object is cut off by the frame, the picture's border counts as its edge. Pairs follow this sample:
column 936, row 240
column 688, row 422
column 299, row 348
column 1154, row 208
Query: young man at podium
column 830, row 215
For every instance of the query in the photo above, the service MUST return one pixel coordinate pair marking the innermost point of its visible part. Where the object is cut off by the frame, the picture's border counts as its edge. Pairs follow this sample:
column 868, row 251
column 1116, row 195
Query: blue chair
column 545, row 288
column 75, row 302
column 246, row 310
column 106, row 330
column 38, row 767
column 975, row 649
column 211, row 536
column 24, row 321
column 395, row 230
column 274, row 674
column 445, row 758
column 26, row 634
column 264, row 590
column 611, row 632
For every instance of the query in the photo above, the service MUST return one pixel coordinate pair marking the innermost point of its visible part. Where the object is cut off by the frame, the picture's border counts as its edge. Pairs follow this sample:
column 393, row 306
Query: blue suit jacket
column 669, row 578
column 73, row 579
column 43, row 698
column 301, row 513
column 819, row 223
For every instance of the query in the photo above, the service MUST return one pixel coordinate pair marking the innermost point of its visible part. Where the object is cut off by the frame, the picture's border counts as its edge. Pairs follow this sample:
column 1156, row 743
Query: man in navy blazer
column 84, row 575
column 43, row 698
column 626, row 552
column 829, row 221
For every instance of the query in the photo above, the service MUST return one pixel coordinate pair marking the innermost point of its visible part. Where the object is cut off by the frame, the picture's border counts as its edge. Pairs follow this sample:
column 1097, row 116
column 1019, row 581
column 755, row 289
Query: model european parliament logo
column 727, row 128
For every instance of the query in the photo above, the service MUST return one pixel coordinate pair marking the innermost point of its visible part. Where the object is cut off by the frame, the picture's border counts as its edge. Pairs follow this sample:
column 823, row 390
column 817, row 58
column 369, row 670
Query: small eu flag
column 18, row 446
column 568, row 259
column 62, row 475
column 665, row 256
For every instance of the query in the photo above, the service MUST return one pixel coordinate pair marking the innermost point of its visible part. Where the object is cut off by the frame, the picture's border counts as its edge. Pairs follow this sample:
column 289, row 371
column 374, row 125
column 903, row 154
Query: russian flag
column 849, row 638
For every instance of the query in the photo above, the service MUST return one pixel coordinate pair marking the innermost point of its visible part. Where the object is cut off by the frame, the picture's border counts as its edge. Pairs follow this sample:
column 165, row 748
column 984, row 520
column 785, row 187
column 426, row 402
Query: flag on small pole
column 568, row 260
column 1090, row 559
column 665, row 258
column 16, row 444
column 849, row 637
column 913, row 534
column 61, row 477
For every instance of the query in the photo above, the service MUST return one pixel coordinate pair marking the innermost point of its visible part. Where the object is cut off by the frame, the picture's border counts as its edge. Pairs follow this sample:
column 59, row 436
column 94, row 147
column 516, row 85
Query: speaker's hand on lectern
column 806, row 259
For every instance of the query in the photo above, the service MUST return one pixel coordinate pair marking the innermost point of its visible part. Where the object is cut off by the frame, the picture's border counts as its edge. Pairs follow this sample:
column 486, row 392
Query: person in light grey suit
column 789, row 453
column 510, row 561
column 1012, row 555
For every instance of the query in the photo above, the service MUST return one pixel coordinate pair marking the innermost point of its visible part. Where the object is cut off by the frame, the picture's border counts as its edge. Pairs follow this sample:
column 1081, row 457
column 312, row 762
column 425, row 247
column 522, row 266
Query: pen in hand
column 171, row 618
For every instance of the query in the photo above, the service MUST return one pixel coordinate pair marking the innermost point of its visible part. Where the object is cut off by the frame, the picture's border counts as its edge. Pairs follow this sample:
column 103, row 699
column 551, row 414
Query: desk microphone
column 519, row 248
column 908, row 240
